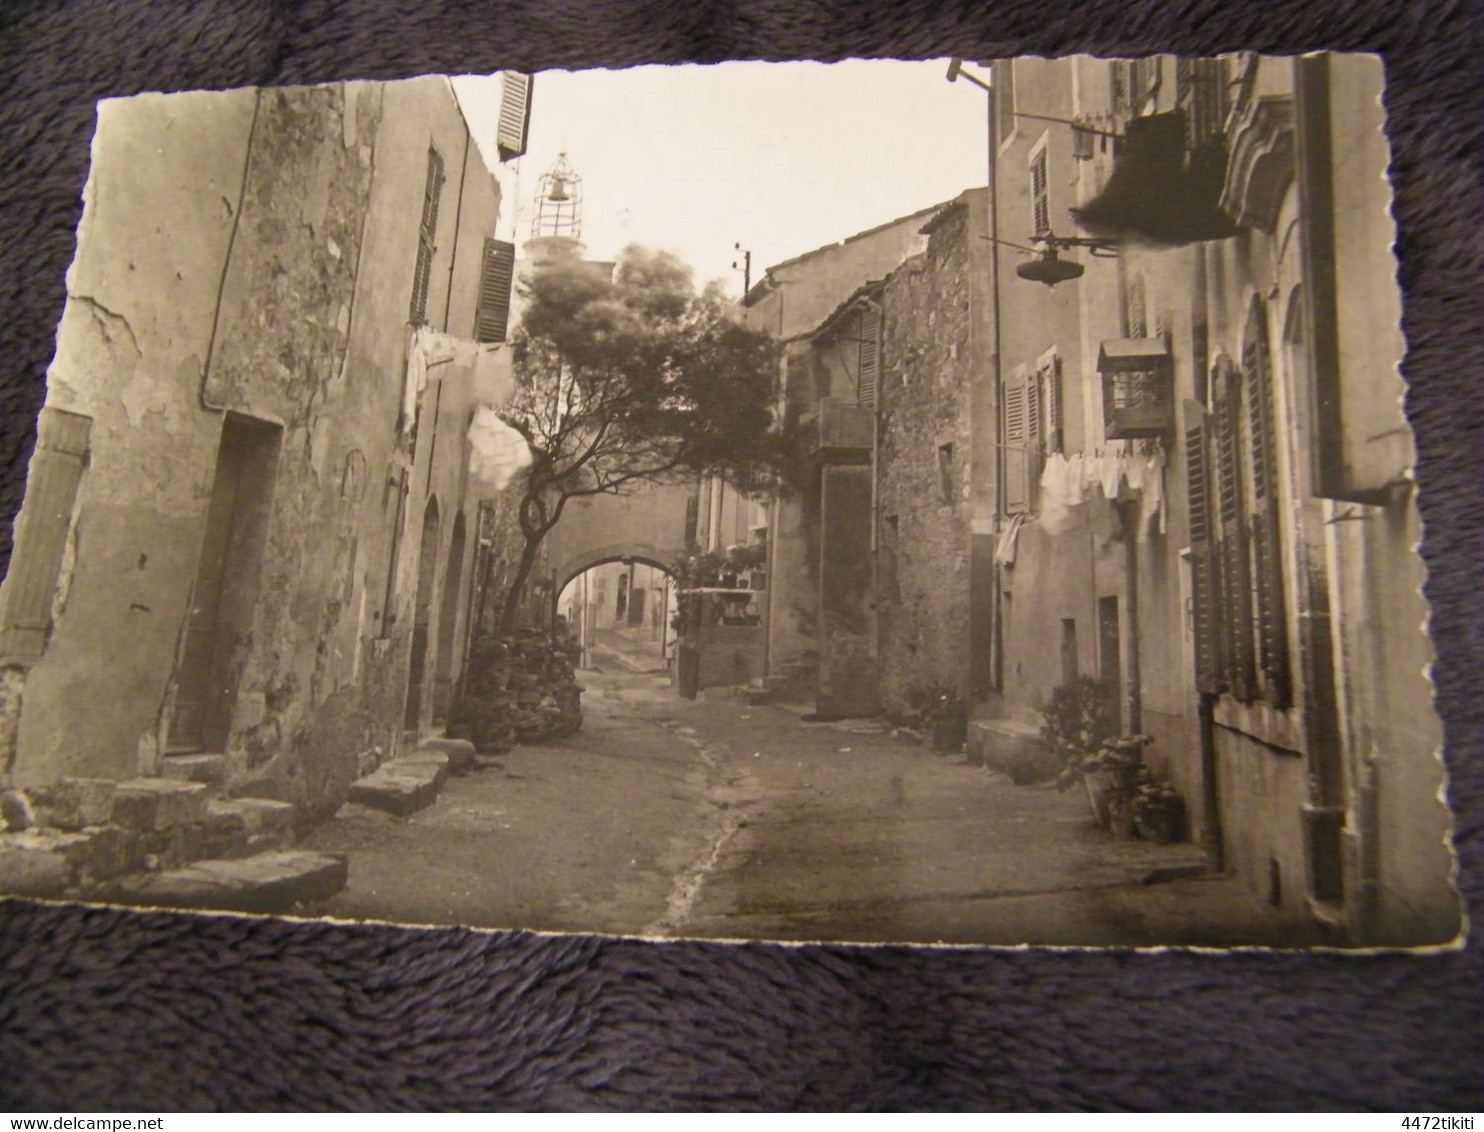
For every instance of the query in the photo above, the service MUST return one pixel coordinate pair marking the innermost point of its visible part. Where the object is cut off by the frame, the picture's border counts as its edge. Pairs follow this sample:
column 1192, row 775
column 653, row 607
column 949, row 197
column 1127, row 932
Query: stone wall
column 923, row 486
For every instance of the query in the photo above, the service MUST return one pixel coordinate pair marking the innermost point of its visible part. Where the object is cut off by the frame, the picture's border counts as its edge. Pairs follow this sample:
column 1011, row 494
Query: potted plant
column 1075, row 721
column 1158, row 813
column 947, row 720
column 1113, row 775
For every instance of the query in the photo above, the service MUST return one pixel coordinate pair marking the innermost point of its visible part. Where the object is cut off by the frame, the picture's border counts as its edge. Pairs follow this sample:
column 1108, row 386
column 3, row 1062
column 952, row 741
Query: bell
column 558, row 190
column 1049, row 268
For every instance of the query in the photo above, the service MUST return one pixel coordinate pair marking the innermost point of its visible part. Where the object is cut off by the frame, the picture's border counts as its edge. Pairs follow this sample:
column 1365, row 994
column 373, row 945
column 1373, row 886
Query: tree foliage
column 631, row 375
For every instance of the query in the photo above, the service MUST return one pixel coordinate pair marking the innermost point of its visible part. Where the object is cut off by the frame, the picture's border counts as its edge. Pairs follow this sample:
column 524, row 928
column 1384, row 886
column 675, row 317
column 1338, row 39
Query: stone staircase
column 177, row 841
column 172, row 841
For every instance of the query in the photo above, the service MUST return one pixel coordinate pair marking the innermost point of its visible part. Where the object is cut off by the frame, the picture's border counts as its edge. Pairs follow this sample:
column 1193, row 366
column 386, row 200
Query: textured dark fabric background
column 110, row 1010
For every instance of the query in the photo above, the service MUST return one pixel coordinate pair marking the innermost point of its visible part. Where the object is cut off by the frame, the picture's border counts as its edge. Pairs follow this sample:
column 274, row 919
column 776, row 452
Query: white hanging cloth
column 497, row 451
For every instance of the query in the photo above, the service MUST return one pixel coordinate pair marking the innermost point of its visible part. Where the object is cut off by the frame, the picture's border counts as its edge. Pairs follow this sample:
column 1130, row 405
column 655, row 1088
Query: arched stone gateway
column 648, row 526
column 658, row 557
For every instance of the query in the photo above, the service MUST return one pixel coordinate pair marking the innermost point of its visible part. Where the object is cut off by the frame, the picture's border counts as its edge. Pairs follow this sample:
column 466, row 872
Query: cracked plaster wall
column 274, row 235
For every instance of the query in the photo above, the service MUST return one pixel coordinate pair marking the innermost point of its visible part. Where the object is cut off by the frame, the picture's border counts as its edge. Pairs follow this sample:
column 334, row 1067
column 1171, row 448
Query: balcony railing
column 845, row 430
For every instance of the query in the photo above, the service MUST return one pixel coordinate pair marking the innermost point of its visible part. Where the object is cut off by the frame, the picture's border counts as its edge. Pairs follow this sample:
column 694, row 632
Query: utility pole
column 745, row 268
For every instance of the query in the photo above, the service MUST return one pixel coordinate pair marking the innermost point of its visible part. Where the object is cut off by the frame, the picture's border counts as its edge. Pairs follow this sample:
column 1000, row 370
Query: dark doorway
column 1070, row 669
column 427, row 560
column 1110, row 658
column 225, row 592
column 448, row 620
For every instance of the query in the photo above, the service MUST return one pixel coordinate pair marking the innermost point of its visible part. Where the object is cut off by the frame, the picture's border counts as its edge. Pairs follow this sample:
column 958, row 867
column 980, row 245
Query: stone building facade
column 245, row 550
column 793, row 301
column 1179, row 468
column 933, row 358
column 1216, row 471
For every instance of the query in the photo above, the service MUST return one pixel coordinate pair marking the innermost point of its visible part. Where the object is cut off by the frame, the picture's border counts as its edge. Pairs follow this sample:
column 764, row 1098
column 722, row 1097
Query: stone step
column 210, row 770
column 267, row 882
column 158, row 803
column 1012, row 748
column 245, row 826
column 460, row 753
column 72, row 803
column 404, row 785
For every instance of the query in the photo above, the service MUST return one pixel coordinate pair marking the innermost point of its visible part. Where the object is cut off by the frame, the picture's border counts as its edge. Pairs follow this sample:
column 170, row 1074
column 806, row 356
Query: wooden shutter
column 692, row 519
column 427, row 236
column 1040, row 195
column 868, row 370
column 1203, row 580
column 1022, row 438
column 497, row 275
column 1049, row 387
column 41, row 532
column 1234, row 579
column 1267, row 553
column 515, row 114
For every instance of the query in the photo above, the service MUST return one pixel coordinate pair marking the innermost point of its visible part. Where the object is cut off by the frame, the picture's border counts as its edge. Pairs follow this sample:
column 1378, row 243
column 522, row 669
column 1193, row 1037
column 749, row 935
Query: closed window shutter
column 1235, row 581
column 1267, row 556
column 41, row 532
column 515, row 114
column 426, row 239
column 1203, row 577
column 692, row 519
column 1040, row 195
column 497, row 275
column 870, row 355
column 1051, row 412
column 1017, row 455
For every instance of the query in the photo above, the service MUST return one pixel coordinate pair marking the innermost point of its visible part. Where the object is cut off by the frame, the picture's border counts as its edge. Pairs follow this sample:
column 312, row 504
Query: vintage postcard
column 958, row 502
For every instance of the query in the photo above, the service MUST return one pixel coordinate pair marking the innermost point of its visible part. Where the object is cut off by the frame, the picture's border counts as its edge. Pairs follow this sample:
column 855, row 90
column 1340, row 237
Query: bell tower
column 556, row 227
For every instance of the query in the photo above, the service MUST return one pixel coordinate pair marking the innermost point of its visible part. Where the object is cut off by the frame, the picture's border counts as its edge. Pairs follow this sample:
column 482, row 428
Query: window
column 497, row 274
column 692, row 518
column 41, row 532
column 1239, row 608
column 1201, row 92
column 945, row 472
column 1022, row 441
column 515, row 114
column 1033, row 428
column 1070, row 669
column 1002, row 78
column 1134, row 82
column 868, row 366
column 427, row 235
column 1048, row 393
column 1040, row 193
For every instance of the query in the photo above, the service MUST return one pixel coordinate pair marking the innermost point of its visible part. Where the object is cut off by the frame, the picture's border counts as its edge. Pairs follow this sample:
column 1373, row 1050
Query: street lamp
column 1049, row 268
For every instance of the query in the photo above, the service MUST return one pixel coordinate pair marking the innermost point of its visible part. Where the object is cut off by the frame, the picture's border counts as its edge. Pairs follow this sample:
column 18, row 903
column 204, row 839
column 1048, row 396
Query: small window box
column 1137, row 388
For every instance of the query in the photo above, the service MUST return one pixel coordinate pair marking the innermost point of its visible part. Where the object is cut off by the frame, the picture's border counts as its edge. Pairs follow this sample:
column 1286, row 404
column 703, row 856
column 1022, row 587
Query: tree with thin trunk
column 629, row 375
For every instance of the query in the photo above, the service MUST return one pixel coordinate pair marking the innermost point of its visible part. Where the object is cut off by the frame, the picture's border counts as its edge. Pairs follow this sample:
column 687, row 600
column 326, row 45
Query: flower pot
column 1161, row 824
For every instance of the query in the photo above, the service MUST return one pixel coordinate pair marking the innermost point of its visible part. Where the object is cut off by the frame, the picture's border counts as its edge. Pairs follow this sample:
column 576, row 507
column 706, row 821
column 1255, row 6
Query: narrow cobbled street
column 719, row 819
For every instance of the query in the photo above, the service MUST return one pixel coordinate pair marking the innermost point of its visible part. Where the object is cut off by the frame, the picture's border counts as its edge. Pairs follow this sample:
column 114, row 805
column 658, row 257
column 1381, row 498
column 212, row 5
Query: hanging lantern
column 1049, row 268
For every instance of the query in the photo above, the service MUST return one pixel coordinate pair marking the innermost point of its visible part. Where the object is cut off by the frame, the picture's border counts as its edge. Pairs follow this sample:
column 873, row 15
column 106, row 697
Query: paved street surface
column 716, row 819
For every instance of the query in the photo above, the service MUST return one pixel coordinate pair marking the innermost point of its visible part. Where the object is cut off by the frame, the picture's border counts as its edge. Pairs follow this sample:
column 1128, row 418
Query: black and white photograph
column 959, row 502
